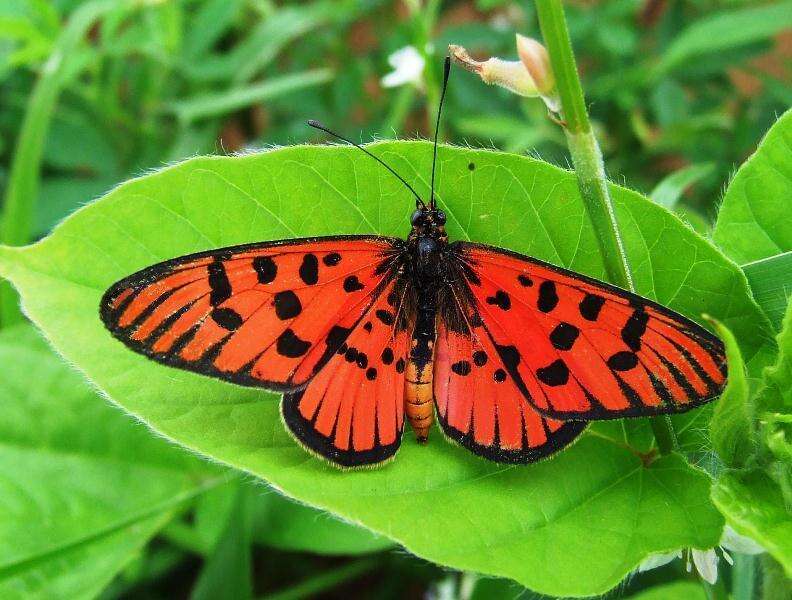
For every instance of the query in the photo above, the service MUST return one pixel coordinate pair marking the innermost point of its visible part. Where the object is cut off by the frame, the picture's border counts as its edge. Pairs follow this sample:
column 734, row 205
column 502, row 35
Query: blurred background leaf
column 95, row 92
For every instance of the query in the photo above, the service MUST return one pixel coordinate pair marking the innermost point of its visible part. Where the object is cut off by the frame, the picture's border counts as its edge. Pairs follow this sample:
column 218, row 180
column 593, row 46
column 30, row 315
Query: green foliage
column 753, row 222
column 96, row 496
column 227, row 570
column 725, row 31
column 215, row 202
column 731, row 425
column 754, row 505
column 95, row 92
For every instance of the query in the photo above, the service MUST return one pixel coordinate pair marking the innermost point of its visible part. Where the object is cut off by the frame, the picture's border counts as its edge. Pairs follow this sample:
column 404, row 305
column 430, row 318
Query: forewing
column 269, row 314
column 352, row 412
column 479, row 405
column 580, row 348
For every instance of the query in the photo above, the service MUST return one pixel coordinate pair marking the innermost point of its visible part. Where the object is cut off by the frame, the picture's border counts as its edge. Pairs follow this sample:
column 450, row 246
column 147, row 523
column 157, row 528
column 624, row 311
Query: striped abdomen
column 418, row 393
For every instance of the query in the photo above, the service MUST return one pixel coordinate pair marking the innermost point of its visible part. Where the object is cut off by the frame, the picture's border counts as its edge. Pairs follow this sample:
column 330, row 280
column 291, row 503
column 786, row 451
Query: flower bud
column 531, row 76
column 509, row 74
column 536, row 60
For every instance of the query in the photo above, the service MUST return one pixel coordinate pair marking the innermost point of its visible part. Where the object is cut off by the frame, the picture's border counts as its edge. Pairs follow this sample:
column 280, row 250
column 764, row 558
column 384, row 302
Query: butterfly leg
column 418, row 395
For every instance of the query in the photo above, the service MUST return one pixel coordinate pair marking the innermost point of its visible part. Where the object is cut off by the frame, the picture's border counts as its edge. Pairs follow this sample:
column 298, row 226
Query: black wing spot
column 332, row 259
column 476, row 321
column 510, row 357
column 548, row 297
column 334, row 341
column 524, row 280
column 227, row 318
column 362, row 360
column 480, row 358
column 393, row 298
column 499, row 376
column 556, row 373
column 309, row 269
column 218, row 283
column 351, row 354
column 564, row 335
column 287, row 305
column 461, row 368
column 387, row 356
column 634, row 328
column 352, row 284
column 368, row 326
column 371, row 374
column 385, row 316
column 400, row 365
column 500, row 299
column 290, row 345
column 623, row 361
column 266, row 269
column 590, row 306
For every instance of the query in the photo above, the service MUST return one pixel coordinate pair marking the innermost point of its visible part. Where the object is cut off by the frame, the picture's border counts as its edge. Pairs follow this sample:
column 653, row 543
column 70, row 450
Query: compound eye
column 440, row 219
column 417, row 218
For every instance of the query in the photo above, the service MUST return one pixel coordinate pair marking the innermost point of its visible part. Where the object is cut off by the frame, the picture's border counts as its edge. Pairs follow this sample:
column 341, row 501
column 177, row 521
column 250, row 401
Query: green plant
column 120, row 510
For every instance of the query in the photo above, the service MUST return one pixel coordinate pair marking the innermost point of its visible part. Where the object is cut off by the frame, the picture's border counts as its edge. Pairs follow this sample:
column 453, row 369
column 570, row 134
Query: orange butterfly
column 513, row 354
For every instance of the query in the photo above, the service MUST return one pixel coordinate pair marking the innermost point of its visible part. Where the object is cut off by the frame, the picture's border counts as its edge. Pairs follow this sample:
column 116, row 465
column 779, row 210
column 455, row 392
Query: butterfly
column 360, row 332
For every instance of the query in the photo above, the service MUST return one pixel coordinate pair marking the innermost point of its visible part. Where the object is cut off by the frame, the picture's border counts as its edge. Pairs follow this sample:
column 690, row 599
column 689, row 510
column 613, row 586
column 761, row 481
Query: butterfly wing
column 269, row 314
column 480, row 406
column 352, row 412
column 578, row 348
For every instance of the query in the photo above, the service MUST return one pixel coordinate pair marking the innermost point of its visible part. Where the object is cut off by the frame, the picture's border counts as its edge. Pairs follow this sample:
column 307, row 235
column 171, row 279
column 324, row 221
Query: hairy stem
column 589, row 167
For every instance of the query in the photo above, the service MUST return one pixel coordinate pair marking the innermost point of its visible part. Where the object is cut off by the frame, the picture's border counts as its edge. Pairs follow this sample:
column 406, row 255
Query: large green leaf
column 754, row 506
column 596, row 502
column 753, row 222
column 731, row 426
column 82, row 488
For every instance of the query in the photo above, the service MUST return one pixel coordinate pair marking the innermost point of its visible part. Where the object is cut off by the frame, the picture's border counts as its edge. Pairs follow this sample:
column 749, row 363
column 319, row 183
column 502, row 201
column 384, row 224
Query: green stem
column 715, row 591
column 24, row 177
column 744, row 577
column 589, row 166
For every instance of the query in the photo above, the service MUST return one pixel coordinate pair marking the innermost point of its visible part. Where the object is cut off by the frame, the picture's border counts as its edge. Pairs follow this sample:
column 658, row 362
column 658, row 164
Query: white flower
column 408, row 67
column 706, row 561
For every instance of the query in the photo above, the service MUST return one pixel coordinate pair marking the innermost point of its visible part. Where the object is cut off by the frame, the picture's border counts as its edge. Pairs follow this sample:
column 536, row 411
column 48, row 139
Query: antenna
column 318, row 125
column 446, row 72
